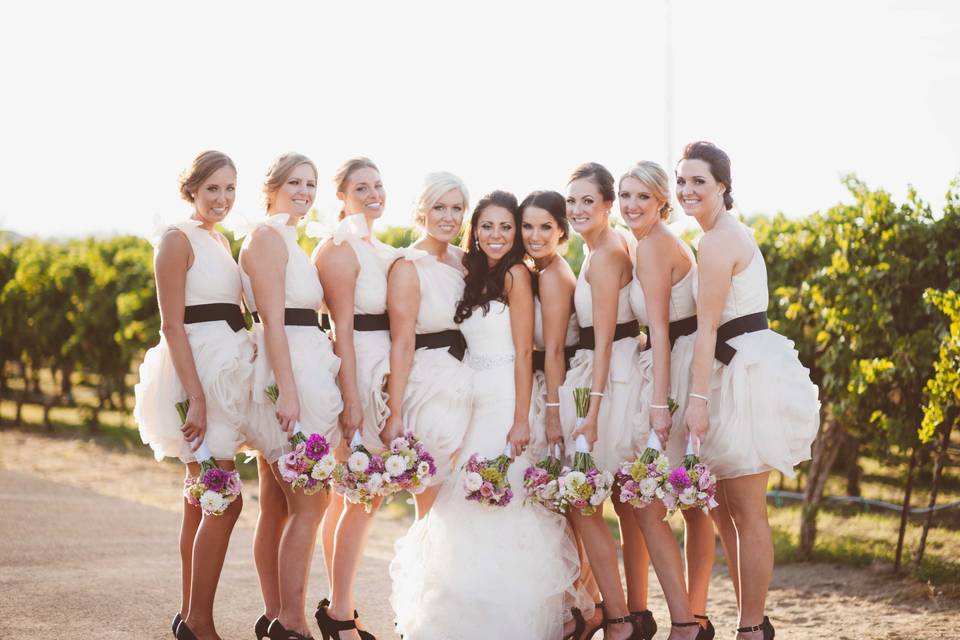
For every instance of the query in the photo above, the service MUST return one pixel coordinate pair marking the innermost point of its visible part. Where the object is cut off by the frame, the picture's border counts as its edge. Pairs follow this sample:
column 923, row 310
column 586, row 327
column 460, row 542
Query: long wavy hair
column 482, row 283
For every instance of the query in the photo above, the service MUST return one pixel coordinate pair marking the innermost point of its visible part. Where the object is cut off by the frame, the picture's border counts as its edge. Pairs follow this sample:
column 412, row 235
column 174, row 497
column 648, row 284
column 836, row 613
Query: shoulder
column 403, row 270
column 518, row 278
column 265, row 239
column 333, row 254
column 173, row 238
column 557, row 278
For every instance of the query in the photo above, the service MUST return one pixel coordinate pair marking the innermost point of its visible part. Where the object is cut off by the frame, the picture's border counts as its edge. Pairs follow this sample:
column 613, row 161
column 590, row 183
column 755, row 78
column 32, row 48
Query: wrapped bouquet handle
column 581, row 445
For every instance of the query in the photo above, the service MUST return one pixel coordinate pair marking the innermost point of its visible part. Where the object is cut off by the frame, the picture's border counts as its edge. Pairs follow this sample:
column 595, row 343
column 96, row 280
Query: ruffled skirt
column 681, row 358
column 436, row 405
column 618, row 439
column 373, row 367
column 764, row 410
column 223, row 360
column 315, row 368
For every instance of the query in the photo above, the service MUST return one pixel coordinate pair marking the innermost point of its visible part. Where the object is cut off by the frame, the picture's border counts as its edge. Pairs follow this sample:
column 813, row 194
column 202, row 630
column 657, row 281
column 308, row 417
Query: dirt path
column 89, row 550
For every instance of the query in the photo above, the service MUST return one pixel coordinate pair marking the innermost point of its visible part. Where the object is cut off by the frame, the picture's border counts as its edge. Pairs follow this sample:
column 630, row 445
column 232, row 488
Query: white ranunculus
column 375, row 482
column 473, row 481
column 326, row 465
column 648, row 486
column 574, row 479
column 358, row 461
column 688, row 496
column 395, row 465
column 212, row 502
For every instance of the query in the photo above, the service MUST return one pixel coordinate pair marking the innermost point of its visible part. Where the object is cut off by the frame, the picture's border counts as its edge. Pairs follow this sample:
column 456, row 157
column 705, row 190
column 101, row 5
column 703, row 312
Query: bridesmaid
column 751, row 403
column 544, row 229
column 609, row 337
column 661, row 296
column 429, row 386
column 204, row 356
column 353, row 269
column 283, row 291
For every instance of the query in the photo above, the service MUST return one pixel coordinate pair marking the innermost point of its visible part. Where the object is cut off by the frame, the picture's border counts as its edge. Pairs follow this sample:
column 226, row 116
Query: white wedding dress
column 467, row 572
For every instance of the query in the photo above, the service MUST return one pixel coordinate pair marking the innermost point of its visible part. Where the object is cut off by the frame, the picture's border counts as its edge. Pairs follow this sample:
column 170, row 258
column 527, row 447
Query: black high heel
column 603, row 621
column 262, row 628
column 277, row 631
column 184, row 633
column 647, row 624
column 635, row 625
column 710, row 631
column 769, row 633
column 701, row 632
column 580, row 627
column 177, row 619
column 328, row 626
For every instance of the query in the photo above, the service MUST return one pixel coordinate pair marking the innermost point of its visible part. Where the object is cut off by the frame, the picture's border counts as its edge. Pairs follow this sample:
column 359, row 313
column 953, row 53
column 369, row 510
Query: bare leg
column 328, row 533
column 209, row 550
column 700, row 545
column 636, row 560
column 425, row 500
column 747, row 504
column 266, row 539
column 665, row 554
column 602, row 551
column 188, row 533
column 728, row 538
column 296, row 553
column 351, row 539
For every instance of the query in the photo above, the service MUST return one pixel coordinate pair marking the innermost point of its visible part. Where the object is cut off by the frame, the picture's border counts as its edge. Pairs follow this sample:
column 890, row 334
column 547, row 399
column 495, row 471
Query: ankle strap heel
column 768, row 631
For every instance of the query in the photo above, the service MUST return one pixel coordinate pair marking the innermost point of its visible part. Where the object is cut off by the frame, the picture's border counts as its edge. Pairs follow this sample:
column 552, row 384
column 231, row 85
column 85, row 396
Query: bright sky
column 105, row 102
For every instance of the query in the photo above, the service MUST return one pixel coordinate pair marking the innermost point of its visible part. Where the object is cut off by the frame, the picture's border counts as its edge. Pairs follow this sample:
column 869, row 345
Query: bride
column 464, row 571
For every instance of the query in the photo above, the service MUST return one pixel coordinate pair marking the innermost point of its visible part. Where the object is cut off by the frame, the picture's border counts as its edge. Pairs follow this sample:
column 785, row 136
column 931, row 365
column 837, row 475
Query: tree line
column 867, row 290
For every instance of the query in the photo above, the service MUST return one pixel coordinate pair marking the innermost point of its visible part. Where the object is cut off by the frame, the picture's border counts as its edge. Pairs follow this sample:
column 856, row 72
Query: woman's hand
column 661, row 422
column 519, row 437
column 554, row 431
column 288, row 411
column 588, row 430
column 351, row 420
column 393, row 429
column 697, row 418
column 194, row 428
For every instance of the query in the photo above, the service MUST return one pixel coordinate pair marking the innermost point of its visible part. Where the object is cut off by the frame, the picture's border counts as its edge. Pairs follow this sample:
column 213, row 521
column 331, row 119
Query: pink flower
column 486, row 489
column 679, row 479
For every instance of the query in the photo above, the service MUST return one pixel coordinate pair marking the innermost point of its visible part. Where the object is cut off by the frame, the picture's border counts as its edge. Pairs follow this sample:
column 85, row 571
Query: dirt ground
column 88, row 549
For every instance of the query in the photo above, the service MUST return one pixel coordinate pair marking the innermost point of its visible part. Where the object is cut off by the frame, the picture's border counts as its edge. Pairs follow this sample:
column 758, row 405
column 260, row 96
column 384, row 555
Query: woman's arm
column 339, row 269
column 520, row 300
column 655, row 271
column 264, row 260
column 403, row 305
column 556, row 303
column 174, row 258
column 715, row 272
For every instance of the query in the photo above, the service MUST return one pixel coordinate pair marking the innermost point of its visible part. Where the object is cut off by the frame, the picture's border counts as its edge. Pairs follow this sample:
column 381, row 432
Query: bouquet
column 540, row 481
column 408, row 466
column 583, row 487
column 486, row 479
column 361, row 478
column 214, row 489
column 690, row 485
column 644, row 479
column 311, row 463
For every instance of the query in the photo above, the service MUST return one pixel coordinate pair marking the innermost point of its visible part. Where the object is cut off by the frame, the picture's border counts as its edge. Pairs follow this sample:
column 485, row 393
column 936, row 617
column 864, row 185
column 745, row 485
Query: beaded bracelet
column 697, row 395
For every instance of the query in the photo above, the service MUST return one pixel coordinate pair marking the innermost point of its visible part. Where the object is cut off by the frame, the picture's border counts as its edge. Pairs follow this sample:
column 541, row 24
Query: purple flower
column 234, row 485
column 679, row 479
column 215, row 479
column 317, row 446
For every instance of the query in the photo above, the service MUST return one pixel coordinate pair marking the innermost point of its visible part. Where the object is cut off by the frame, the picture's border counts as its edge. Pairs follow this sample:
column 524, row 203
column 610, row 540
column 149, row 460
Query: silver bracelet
column 659, row 406
column 551, row 404
column 697, row 395
column 599, row 394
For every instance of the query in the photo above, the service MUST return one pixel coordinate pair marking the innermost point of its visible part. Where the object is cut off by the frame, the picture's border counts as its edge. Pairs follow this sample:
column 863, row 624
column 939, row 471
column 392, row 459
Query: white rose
column 473, row 481
column 358, row 461
column 648, row 486
column 326, row 465
column 574, row 479
column 688, row 496
column 212, row 502
column 395, row 465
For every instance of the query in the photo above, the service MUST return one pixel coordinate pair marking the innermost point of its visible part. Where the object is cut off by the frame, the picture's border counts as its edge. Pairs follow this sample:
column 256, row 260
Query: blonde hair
column 346, row 170
column 654, row 178
column 280, row 169
column 204, row 165
column 435, row 186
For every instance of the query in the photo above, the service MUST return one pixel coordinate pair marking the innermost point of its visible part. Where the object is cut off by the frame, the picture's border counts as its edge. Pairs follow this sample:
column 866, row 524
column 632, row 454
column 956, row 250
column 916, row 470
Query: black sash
column 737, row 327
column 540, row 357
column 451, row 338
column 296, row 318
column 229, row 313
column 678, row 328
column 629, row 329
column 362, row 322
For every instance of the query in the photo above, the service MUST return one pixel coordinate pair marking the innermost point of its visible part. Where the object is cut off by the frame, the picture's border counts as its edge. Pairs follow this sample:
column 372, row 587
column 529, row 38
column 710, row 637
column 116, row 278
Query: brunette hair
column 346, row 170
column 280, row 169
column 204, row 165
column 597, row 174
column 484, row 283
column 554, row 204
column 719, row 163
column 654, row 178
